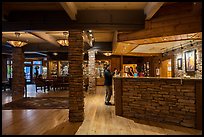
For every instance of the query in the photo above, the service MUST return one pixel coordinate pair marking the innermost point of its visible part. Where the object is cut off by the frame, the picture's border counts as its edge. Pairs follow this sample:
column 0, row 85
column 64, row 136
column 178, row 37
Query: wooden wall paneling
column 115, row 63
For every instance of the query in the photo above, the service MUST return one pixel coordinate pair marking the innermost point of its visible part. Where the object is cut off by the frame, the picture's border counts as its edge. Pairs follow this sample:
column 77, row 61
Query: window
column 37, row 66
column 27, row 62
column 9, row 68
column 37, row 62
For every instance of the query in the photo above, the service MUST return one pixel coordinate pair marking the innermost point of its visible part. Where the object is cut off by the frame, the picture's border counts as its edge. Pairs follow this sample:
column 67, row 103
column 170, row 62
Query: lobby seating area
column 57, row 83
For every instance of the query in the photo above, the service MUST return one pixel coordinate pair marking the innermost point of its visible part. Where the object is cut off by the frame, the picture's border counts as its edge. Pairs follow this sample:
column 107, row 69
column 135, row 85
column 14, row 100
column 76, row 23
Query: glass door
column 28, row 73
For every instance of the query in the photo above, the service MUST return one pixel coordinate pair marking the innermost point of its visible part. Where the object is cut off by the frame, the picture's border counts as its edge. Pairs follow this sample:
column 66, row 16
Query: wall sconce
column 64, row 42
column 17, row 43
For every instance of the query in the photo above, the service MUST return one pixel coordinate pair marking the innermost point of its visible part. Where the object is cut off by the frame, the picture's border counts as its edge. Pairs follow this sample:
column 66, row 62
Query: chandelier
column 64, row 42
column 17, row 43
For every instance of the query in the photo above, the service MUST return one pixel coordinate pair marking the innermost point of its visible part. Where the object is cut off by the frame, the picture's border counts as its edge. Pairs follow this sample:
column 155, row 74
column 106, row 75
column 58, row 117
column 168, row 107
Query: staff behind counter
column 130, row 73
column 133, row 72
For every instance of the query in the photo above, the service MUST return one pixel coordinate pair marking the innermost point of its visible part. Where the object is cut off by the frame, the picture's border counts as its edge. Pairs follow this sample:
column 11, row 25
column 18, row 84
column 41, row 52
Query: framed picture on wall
column 179, row 63
column 190, row 61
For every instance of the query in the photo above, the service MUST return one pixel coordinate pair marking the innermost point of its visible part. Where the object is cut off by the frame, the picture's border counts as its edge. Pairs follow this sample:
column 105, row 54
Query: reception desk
column 168, row 100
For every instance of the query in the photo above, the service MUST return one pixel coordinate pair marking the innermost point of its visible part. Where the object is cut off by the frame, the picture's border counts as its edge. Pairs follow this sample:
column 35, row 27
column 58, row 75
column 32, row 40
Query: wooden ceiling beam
column 46, row 37
column 114, row 43
column 43, row 47
column 140, row 54
column 151, row 8
column 165, row 39
column 182, row 23
column 70, row 9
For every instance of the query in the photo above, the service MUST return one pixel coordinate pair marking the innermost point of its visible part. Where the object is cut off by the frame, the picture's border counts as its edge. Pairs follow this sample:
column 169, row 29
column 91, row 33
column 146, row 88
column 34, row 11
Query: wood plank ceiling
column 73, row 9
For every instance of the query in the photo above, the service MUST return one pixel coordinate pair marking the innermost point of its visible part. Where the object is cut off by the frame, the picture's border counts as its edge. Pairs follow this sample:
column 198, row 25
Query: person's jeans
column 108, row 93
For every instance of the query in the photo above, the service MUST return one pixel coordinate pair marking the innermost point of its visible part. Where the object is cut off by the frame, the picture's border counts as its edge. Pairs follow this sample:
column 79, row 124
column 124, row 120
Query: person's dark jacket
column 108, row 78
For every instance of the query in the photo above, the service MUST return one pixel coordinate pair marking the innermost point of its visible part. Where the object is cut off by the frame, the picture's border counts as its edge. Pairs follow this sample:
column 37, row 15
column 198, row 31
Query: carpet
column 38, row 103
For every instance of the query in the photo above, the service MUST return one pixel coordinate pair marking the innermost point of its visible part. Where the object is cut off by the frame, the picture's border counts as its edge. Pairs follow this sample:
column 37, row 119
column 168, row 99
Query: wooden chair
column 40, row 83
column 57, row 83
column 65, row 82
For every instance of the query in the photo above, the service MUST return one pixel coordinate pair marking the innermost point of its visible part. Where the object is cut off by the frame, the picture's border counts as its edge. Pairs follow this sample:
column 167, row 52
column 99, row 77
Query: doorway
column 165, row 69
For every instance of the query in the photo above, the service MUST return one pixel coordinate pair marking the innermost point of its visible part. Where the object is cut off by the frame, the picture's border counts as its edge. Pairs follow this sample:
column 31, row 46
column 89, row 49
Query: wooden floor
column 99, row 119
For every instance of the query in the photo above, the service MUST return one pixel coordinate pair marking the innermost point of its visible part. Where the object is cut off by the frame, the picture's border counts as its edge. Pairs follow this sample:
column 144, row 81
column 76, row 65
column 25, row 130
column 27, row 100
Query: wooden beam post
column 70, row 8
column 151, row 8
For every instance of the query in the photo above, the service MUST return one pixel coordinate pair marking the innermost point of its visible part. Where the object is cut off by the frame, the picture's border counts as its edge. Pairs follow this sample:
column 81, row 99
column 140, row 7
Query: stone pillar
column 4, row 68
column 76, row 95
column 18, row 80
column 92, row 73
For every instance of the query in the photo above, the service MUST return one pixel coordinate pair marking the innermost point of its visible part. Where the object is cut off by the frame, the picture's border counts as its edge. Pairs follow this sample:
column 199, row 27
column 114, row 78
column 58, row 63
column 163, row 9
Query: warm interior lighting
column 55, row 54
column 17, row 43
column 107, row 54
column 64, row 42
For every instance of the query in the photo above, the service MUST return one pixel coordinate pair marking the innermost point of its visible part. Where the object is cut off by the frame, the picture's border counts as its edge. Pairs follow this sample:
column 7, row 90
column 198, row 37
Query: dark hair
column 106, row 67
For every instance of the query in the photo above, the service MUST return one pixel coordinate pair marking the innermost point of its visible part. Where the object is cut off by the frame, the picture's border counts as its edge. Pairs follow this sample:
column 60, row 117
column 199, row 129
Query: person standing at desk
column 108, row 84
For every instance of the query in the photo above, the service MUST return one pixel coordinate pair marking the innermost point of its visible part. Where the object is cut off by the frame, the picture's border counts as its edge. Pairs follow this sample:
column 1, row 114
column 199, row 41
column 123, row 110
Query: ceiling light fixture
column 64, row 42
column 17, row 43
column 55, row 53
column 107, row 54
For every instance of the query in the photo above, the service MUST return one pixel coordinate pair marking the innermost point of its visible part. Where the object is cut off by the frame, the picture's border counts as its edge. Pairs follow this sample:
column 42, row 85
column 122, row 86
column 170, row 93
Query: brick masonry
column 92, row 73
column 3, row 67
column 76, row 95
column 170, row 101
column 18, row 81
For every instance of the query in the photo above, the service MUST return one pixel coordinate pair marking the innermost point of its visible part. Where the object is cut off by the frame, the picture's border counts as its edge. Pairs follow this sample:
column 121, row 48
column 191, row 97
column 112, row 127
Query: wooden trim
column 70, row 9
column 152, row 8
column 118, row 96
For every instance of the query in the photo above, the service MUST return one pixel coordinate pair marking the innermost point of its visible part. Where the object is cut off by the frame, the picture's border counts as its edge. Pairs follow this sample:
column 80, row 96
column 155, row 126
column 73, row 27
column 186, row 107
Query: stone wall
column 4, row 68
column 171, row 101
column 180, row 53
column 92, row 73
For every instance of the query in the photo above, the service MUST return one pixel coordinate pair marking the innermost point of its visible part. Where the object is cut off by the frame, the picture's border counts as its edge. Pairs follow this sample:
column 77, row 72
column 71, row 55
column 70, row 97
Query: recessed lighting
column 55, row 53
